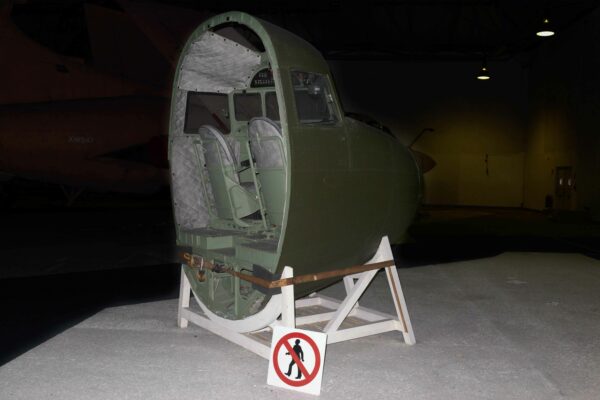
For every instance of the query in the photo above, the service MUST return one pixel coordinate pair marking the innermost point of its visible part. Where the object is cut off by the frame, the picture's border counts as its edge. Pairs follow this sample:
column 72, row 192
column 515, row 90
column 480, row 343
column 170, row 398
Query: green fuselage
column 336, row 186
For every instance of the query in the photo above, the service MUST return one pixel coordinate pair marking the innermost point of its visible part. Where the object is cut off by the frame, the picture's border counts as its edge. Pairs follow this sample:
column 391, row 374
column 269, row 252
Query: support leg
column 348, row 304
column 355, row 290
column 349, row 285
column 385, row 253
column 184, row 299
column 288, row 310
column 400, row 304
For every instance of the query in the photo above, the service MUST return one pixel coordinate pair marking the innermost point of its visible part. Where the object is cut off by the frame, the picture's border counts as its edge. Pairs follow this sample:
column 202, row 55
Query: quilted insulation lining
column 189, row 196
column 218, row 65
column 266, row 143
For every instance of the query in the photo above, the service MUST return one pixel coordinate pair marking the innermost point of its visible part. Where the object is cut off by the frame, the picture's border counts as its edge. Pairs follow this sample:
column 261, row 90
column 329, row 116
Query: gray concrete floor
column 514, row 326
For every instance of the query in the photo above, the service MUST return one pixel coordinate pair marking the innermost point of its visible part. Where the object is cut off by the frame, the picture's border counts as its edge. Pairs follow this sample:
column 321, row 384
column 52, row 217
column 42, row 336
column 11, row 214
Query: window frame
column 226, row 122
column 334, row 105
column 245, row 93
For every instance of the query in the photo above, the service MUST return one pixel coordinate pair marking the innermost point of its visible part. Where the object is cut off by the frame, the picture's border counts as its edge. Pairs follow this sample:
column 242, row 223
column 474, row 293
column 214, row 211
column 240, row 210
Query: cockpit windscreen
column 314, row 101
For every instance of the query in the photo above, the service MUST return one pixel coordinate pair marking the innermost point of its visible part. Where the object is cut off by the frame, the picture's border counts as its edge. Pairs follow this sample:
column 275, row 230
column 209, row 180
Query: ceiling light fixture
column 483, row 74
column 545, row 30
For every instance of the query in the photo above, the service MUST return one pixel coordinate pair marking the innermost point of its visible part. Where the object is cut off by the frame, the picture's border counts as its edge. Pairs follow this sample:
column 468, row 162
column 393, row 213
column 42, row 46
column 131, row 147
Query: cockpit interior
column 228, row 162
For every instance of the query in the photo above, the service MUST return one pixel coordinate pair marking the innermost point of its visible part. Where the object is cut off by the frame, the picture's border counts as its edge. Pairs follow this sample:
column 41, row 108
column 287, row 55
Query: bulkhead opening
column 228, row 162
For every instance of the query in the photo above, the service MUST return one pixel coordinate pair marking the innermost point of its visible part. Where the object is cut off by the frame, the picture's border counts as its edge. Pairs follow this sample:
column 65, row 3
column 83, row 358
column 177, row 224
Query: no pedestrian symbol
column 297, row 358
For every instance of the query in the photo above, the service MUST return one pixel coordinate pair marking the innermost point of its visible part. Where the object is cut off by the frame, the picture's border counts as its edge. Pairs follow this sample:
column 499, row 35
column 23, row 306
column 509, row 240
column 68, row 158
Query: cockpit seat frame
column 231, row 199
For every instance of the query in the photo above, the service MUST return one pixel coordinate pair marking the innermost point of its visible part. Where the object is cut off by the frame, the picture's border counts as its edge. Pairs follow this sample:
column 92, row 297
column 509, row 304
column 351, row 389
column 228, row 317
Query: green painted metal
column 344, row 186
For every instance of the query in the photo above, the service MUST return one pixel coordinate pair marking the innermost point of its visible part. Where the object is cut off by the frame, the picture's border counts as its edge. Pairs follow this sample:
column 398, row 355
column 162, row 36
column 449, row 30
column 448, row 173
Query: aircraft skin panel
column 349, row 184
column 340, row 215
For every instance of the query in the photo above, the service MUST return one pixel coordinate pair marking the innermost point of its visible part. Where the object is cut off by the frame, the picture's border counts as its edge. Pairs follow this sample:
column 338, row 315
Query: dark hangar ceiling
column 383, row 30
column 430, row 30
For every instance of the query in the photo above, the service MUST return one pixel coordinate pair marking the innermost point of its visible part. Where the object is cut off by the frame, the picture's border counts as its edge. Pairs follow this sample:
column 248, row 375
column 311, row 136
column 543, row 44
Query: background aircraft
column 88, row 109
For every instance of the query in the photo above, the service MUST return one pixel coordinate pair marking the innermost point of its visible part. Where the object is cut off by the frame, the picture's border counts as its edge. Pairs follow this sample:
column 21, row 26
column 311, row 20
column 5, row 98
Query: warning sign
column 297, row 358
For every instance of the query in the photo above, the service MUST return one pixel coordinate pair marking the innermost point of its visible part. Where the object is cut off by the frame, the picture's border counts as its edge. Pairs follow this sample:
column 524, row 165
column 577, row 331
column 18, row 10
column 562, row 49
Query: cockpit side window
column 314, row 99
column 206, row 109
column 247, row 106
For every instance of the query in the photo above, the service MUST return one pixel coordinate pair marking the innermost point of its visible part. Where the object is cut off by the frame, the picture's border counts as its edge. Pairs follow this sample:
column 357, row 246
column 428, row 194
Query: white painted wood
column 329, row 302
column 240, row 339
column 362, row 312
column 255, row 322
column 383, row 253
column 356, row 289
column 314, row 300
column 348, row 303
column 267, row 328
column 400, row 304
column 184, row 299
column 275, row 323
column 361, row 331
column 385, row 250
column 288, row 305
column 284, row 304
column 349, row 285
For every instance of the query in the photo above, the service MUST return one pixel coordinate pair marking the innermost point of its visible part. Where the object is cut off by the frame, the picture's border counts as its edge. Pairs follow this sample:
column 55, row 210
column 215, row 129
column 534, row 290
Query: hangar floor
column 515, row 325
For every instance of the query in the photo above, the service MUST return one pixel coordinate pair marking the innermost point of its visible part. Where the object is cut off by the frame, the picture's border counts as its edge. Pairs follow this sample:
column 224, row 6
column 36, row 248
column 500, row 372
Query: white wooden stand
column 341, row 321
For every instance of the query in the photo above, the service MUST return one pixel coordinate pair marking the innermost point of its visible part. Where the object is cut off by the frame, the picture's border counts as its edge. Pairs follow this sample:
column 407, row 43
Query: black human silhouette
column 298, row 350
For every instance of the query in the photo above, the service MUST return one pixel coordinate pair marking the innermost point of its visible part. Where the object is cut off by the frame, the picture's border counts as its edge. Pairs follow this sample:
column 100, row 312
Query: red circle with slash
column 308, row 376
